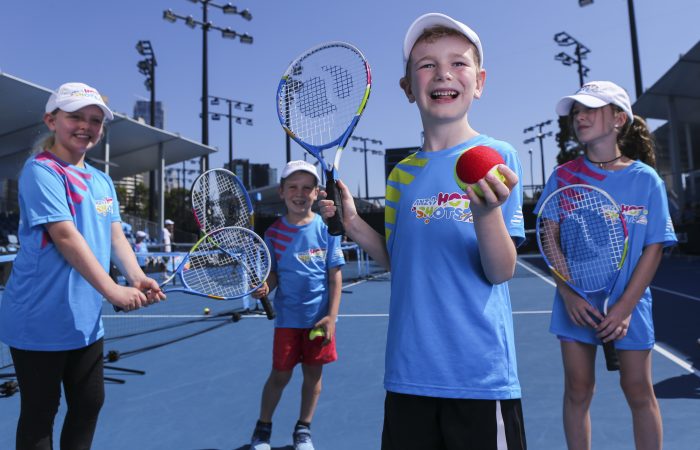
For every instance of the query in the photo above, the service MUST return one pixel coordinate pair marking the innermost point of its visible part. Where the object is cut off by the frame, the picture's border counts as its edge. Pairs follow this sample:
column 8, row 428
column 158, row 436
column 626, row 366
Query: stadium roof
column 133, row 146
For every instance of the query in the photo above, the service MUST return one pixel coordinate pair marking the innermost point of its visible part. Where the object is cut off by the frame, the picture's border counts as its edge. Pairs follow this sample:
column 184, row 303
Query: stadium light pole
column 247, row 107
column 227, row 33
column 635, row 45
column 540, row 136
column 147, row 67
column 365, row 150
column 532, row 173
column 565, row 40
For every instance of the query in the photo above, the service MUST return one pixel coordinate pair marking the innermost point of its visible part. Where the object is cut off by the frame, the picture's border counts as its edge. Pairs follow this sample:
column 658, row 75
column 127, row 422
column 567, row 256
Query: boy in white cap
column 306, row 272
column 450, row 357
column 50, row 316
column 618, row 158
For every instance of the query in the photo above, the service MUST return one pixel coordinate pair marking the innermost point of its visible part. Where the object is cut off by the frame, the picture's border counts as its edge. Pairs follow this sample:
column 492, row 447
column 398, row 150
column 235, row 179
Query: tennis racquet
column 320, row 99
column 226, row 264
column 582, row 236
column 219, row 200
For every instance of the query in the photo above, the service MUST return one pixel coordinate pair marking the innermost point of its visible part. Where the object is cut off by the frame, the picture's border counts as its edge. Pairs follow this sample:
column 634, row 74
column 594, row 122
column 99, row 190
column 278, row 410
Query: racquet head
column 227, row 263
column 582, row 235
column 219, row 200
column 321, row 96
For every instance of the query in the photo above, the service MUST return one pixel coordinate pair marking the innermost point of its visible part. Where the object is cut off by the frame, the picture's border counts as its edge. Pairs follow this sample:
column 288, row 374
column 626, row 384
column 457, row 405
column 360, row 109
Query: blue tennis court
column 182, row 379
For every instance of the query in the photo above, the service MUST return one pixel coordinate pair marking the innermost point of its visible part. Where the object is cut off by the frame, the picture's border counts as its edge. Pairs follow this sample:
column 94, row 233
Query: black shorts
column 414, row 422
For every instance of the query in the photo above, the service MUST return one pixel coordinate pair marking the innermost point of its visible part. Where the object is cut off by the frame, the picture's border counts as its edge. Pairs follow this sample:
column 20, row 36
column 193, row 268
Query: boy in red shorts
column 305, row 256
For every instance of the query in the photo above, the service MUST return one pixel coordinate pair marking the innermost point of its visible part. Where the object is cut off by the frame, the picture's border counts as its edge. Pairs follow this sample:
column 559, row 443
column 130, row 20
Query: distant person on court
column 168, row 235
column 141, row 248
column 618, row 158
column 450, row 355
column 50, row 316
column 306, row 263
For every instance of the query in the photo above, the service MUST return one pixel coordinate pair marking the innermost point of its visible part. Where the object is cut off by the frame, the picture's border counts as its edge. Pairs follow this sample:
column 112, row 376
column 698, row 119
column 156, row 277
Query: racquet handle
column 267, row 306
column 335, row 223
column 611, row 361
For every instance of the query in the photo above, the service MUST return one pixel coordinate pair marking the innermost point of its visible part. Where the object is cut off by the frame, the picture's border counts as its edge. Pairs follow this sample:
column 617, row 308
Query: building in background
column 253, row 175
column 142, row 111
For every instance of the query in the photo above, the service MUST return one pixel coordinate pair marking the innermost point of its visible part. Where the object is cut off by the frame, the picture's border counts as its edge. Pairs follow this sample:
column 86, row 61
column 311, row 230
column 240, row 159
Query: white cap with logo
column 430, row 20
column 299, row 165
column 70, row 97
column 596, row 94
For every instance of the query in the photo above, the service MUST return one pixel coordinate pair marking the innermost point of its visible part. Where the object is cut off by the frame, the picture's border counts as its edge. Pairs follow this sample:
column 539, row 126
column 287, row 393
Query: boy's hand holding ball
column 474, row 164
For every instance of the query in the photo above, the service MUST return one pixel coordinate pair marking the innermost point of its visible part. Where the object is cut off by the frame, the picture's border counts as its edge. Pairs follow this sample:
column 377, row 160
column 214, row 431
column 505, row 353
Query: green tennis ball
column 316, row 332
column 207, row 311
column 473, row 165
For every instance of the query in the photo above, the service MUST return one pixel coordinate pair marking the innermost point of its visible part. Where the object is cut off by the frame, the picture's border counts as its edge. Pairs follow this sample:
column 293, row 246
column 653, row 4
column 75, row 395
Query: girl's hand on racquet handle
column 615, row 325
column 579, row 310
column 127, row 298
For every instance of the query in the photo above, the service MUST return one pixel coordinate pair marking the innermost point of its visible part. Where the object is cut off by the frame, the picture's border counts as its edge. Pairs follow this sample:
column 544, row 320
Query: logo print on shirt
column 104, row 206
column 635, row 214
column 311, row 255
column 449, row 206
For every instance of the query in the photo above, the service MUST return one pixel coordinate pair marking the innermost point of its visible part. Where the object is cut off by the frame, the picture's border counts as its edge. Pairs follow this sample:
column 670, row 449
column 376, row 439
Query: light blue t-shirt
column 450, row 330
column 301, row 257
column 47, row 304
column 641, row 195
column 141, row 252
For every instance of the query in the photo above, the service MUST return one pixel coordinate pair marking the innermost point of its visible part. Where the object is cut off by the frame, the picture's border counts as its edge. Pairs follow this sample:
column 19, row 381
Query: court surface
column 203, row 374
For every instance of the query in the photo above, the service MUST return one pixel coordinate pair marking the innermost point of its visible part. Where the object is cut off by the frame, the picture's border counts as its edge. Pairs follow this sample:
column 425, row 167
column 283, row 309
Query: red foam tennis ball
column 473, row 165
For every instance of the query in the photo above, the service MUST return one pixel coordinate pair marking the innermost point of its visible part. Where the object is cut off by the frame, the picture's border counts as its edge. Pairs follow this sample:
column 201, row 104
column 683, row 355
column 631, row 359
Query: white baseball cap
column 169, row 222
column 436, row 19
column 596, row 94
column 296, row 166
column 141, row 234
column 71, row 97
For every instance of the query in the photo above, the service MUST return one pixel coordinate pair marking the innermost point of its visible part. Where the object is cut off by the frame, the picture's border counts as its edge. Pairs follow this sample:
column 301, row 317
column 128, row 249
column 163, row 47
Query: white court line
column 662, row 351
column 679, row 294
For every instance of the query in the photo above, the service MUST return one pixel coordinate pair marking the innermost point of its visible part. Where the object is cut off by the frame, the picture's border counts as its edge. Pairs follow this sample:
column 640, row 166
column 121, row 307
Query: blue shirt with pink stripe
column 301, row 258
column 641, row 195
column 47, row 305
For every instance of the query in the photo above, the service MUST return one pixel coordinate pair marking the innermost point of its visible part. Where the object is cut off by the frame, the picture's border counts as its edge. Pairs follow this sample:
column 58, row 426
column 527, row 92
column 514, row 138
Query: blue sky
column 51, row 42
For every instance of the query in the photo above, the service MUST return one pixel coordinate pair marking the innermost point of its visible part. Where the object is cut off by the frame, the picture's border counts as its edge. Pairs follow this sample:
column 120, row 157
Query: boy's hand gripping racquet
column 582, row 236
column 225, row 264
column 320, row 99
column 219, row 199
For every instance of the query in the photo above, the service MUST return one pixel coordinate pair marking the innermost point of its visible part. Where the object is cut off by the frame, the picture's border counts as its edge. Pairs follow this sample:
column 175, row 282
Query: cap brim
column 564, row 105
column 74, row 106
column 436, row 19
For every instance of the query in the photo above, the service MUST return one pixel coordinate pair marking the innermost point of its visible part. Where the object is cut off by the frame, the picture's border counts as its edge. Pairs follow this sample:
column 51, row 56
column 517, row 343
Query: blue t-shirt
column 47, row 304
column 301, row 257
column 641, row 195
column 450, row 330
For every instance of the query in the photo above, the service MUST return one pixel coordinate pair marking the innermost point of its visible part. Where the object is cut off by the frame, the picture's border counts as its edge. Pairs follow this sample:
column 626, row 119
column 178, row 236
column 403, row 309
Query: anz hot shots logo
column 443, row 206
column 104, row 206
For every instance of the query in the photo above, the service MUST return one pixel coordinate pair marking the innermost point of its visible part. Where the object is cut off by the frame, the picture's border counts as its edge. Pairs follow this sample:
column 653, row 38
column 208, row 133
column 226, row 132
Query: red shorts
column 292, row 346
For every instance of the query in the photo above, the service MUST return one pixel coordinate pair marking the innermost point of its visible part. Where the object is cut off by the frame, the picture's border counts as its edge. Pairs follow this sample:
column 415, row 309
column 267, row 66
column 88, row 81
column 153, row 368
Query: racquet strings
column 587, row 241
column 218, row 201
column 324, row 90
column 230, row 262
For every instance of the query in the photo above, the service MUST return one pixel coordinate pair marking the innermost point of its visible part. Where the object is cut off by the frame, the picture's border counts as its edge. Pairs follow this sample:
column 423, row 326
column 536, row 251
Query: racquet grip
column 335, row 223
column 267, row 306
column 611, row 361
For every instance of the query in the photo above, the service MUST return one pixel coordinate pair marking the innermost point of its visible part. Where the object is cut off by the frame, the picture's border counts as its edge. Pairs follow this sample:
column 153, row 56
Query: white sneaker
column 302, row 439
column 261, row 438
